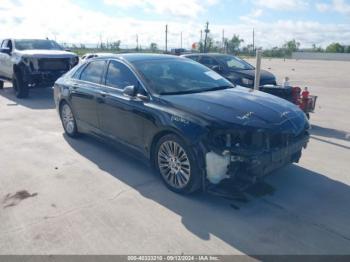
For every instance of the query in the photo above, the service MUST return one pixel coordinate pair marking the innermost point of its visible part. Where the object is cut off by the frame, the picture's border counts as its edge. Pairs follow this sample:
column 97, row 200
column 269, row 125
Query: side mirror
column 5, row 50
column 129, row 91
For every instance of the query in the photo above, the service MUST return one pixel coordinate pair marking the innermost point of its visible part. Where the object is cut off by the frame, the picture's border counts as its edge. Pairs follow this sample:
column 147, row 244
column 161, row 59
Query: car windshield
column 235, row 63
column 180, row 76
column 37, row 44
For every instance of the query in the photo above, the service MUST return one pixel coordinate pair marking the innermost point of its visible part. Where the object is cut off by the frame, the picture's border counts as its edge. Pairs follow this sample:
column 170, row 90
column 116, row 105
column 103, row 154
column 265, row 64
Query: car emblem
column 245, row 116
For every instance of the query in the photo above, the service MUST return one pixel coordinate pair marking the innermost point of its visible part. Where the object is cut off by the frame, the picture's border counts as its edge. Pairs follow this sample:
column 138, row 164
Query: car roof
column 136, row 57
column 206, row 54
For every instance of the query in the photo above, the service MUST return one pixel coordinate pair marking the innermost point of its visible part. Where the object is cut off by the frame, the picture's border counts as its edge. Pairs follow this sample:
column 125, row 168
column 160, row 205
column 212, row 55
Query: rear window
column 93, row 72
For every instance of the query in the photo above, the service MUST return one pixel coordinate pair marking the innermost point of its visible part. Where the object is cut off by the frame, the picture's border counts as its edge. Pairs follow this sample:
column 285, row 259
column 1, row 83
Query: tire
column 20, row 87
column 308, row 116
column 68, row 120
column 1, row 85
column 176, row 164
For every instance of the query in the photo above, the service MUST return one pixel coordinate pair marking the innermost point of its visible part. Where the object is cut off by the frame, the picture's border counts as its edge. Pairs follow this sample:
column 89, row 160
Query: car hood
column 45, row 53
column 242, row 107
column 250, row 74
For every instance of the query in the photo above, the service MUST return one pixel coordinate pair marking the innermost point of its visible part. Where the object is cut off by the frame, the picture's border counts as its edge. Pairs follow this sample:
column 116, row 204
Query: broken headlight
column 240, row 139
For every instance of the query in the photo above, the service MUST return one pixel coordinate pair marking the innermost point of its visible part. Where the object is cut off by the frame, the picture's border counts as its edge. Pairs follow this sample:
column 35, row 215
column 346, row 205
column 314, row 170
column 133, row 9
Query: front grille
column 56, row 64
column 256, row 140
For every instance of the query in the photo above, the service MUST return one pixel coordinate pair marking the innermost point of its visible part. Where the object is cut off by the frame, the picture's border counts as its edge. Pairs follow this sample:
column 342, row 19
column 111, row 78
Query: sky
column 310, row 22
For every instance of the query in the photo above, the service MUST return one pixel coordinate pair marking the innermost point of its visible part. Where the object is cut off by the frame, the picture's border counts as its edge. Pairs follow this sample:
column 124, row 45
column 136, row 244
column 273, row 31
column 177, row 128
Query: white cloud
column 282, row 4
column 72, row 24
column 181, row 8
column 339, row 6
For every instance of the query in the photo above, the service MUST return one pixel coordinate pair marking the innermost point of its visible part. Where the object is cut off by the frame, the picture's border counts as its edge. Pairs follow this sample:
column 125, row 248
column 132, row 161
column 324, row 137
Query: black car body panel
column 251, row 132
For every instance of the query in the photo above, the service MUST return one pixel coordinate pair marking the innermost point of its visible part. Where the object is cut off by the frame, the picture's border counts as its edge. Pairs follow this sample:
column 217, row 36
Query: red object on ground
column 304, row 99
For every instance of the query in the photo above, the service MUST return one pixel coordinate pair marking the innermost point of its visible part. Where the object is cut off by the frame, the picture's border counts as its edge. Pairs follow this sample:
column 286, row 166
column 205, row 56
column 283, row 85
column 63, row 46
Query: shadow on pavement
column 307, row 212
column 330, row 133
column 39, row 98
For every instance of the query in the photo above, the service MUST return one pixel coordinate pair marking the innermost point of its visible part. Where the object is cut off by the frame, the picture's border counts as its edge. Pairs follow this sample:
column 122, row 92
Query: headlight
column 247, row 81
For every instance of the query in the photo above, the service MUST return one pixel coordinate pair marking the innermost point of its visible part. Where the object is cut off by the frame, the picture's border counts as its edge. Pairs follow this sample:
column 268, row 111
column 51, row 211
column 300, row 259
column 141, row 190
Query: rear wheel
column 176, row 164
column 68, row 120
column 19, row 85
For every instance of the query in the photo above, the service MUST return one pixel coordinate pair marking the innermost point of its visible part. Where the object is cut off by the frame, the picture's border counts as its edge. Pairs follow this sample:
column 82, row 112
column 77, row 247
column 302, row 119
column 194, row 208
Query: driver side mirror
column 132, row 91
column 129, row 91
column 5, row 50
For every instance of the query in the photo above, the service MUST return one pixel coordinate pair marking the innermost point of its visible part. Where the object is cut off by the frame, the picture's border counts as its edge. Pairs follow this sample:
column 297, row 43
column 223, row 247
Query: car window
column 193, row 57
column 179, row 76
column 119, row 76
column 93, row 72
column 235, row 63
column 4, row 44
column 208, row 61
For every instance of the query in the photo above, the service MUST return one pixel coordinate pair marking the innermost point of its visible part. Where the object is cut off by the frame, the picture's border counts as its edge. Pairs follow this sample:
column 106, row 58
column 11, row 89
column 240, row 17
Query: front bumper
column 41, row 78
column 251, row 165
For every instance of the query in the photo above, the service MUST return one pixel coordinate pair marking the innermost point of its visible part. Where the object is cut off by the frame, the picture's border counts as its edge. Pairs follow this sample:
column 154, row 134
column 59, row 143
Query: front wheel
column 20, row 86
column 176, row 164
column 68, row 120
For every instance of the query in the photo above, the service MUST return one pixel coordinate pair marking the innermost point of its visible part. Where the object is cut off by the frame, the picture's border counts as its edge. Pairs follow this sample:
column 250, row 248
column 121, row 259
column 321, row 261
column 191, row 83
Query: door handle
column 75, row 86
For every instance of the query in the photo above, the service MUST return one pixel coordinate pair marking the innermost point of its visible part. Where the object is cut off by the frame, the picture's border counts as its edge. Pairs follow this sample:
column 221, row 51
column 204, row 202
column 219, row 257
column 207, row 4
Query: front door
column 121, row 117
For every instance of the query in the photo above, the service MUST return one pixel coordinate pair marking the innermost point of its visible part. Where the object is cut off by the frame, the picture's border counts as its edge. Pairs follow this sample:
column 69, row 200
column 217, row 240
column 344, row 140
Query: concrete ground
column 65, row 196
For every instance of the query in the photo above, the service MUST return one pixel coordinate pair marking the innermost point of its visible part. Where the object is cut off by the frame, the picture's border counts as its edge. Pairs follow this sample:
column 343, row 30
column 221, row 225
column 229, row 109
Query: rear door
column 84, row 91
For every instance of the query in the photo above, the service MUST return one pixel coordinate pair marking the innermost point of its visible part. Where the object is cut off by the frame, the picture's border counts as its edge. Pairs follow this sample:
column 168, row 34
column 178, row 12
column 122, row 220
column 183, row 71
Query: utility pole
column 181, row 39
column 223, row 40
column 253, row 41
column 137, row 43
column 201, row 43
column 206, row 36
column 166, row 38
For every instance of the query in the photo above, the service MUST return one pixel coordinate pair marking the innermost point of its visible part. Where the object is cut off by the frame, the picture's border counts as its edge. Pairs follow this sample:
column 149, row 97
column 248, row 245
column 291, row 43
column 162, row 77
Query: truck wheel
column 175, row 162
column 1, row 84
column 21, row 88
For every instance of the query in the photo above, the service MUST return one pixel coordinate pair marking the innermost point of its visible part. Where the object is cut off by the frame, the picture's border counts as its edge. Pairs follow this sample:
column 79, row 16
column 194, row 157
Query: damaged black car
column 193, row 125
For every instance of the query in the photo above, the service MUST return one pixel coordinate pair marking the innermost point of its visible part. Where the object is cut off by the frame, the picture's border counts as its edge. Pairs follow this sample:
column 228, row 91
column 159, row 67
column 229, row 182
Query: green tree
column 335, row 48
column 153, row 47
column 291, row 46
column 347, row 49
column 115, row 45
column 233, row 44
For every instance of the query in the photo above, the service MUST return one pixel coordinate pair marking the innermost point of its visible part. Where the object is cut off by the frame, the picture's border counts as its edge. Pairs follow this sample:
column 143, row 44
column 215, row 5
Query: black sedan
column 233, row 68
column 193, row 125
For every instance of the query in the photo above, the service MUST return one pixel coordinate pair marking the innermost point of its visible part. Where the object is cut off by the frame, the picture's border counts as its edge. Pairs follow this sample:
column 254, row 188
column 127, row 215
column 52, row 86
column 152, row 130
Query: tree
column 115, row 45
column 335, row 48
column 347, row 49
column 233, row 44
column 291, row 46
column 153, row 47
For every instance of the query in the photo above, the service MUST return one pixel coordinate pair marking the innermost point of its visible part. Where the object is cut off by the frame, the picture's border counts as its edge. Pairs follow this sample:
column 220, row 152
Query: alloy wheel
column 174, row 164
column 68, row 119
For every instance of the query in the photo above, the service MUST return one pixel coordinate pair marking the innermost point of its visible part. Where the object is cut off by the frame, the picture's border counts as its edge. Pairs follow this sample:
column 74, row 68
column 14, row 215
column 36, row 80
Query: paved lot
column 82, row 197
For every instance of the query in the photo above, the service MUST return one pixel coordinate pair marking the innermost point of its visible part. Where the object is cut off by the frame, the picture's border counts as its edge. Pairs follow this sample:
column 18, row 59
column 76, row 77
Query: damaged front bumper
column 236, row 164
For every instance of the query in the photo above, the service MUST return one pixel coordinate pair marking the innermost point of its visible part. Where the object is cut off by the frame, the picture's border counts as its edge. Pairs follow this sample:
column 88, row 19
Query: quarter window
column 93, row 72
column 119, row 76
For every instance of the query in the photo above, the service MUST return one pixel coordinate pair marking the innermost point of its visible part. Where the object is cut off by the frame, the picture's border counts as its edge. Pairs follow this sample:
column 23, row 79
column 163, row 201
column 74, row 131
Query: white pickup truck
column 31, row 63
